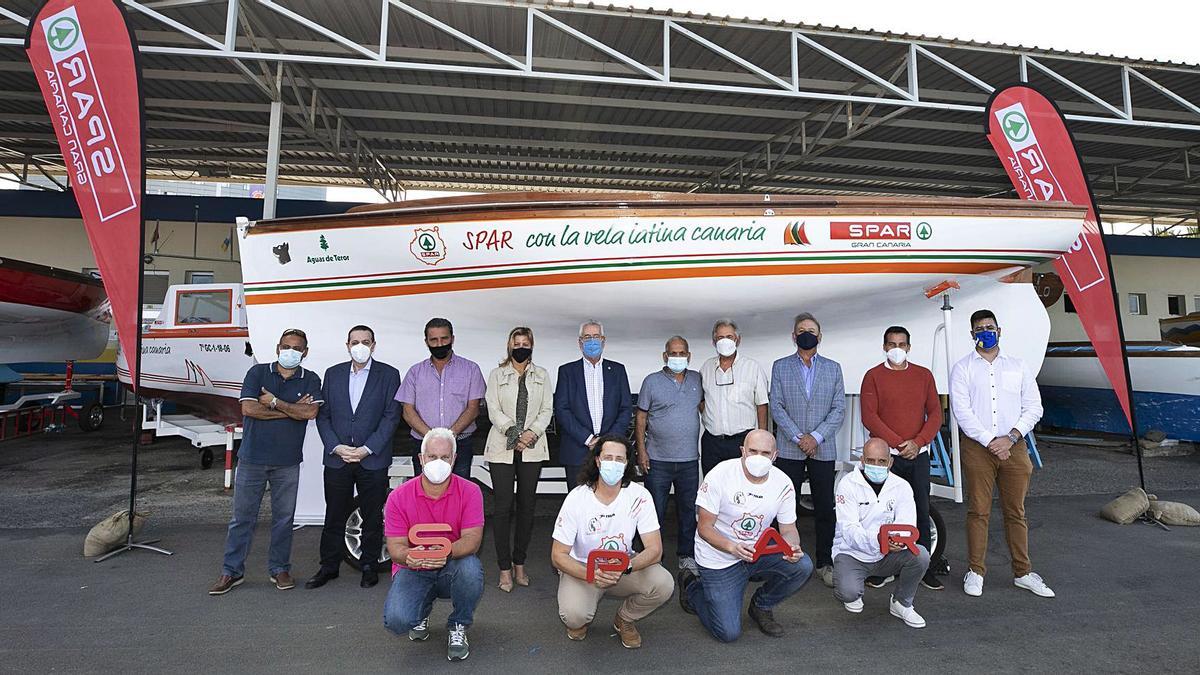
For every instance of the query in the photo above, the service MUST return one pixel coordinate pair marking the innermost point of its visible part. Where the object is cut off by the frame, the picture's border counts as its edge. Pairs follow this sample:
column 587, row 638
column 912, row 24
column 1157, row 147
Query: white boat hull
column 43, row 334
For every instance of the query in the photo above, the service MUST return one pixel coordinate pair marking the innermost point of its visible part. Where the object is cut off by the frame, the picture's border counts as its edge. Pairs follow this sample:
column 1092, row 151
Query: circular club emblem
column 62, row 34
column 748, row 524
column 427, row 246
column 924, row 231
column 610, row 545
column 1016, row 127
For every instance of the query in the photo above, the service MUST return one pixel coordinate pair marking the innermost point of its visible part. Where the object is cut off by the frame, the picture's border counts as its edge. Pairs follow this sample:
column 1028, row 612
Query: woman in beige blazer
column 519, row 403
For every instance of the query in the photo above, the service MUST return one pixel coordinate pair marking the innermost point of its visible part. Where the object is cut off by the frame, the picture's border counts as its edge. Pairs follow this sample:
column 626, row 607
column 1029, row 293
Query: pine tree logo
column 324, row 244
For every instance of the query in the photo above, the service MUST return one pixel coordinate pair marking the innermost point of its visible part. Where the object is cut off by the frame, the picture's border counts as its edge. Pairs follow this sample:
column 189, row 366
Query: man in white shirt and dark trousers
column 866, row 500
column 735, row 397
column 996, row 402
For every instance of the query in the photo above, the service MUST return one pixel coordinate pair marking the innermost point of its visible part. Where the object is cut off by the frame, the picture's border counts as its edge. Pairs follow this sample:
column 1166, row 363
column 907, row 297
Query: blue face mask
column 875, row 474
column 677, row 364
column 987, row 339
column 593, row 348
column 290, row 358
column 611, row 472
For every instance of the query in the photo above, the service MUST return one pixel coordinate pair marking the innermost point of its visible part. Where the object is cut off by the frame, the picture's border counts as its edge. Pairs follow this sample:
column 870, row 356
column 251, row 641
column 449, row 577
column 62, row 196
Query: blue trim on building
column 179, row 208
column 1098, row 410
column 1155, row 247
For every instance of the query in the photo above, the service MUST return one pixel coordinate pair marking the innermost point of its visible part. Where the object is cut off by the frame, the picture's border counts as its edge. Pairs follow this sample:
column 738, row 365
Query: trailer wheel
column 937, row 537
column 206, row 458
column 352, row 542
column 91, row 416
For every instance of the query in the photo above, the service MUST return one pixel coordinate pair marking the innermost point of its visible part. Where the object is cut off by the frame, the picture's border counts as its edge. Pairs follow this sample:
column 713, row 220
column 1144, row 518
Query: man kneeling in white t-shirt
column 738, row 500
column 604, row 512
column 865, row 501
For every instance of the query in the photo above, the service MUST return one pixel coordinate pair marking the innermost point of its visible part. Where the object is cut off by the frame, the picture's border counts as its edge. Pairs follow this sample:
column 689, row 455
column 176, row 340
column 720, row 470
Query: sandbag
column 110, row 533
column 1127, row 508
column 1174, row 513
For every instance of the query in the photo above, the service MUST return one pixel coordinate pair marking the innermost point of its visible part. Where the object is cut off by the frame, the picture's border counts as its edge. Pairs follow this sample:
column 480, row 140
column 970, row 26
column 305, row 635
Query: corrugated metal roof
column 569, row 124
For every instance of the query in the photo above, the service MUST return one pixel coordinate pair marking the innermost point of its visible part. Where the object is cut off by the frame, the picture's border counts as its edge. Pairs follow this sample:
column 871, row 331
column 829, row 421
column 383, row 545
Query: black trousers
column 372, row 487
column 820, row 482
column 717, row 449
column 572, row 471
column 512, row 546
column 916, row 472
column 464, row 453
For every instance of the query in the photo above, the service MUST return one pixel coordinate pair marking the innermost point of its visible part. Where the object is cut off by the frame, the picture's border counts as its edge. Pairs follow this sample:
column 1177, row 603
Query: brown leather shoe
column 578, row 634
column 283, row 581
column 630, row 637
column 225, row 583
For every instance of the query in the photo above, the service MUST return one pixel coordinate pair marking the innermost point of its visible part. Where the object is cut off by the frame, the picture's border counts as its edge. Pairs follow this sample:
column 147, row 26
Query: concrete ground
column 1127, row 596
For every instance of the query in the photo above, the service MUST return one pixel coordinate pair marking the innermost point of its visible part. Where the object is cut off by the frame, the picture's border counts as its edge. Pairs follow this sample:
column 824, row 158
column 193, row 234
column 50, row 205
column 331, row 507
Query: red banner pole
column 1030, row 135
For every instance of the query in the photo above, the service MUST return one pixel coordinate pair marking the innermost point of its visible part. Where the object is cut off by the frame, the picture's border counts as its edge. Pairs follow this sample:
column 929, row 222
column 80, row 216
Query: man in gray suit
column 808, row 402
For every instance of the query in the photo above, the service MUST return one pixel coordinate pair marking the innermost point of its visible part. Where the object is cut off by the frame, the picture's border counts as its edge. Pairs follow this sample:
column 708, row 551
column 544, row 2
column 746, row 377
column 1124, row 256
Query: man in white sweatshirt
column 866, row 500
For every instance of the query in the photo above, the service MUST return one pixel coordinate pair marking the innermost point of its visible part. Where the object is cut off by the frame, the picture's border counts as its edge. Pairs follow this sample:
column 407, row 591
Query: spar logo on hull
column 879, row 234
column 427, row 245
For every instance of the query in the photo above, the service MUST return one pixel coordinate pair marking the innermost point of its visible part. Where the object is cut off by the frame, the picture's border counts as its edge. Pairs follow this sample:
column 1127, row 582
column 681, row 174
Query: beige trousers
column 644, row 591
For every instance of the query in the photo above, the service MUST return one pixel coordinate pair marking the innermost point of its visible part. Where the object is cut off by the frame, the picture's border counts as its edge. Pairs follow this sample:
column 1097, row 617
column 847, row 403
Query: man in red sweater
column 900, row 404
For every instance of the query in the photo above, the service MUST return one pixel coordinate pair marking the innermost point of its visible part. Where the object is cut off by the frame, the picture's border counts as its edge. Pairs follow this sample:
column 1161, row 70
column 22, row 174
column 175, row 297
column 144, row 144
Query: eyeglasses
column 294, row 331
column 724, row 378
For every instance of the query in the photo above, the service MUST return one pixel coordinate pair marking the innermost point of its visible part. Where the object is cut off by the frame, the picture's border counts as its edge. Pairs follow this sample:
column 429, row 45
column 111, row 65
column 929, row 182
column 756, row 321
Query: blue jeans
column 717, row 594
column 411, row 596
column 686, row 478
column 249, row 484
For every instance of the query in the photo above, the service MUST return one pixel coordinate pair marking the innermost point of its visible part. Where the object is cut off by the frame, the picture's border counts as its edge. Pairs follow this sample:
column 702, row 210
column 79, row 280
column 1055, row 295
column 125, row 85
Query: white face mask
column 360, row 353
column 726, row 347
column 897, row 356
column 437, row 471
column 757, row 465
column 290, row 358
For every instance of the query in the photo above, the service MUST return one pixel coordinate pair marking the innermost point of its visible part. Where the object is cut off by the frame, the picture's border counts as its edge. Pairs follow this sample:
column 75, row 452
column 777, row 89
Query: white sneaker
column 973, row 584
column 907, row 614
column 1033, row 583
column 854, row 607
column 689, row 564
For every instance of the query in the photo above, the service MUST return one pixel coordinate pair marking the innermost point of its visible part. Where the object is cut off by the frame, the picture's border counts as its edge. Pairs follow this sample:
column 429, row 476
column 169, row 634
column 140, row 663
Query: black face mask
column 441, row 351
column 522, row 354
column 806, row 340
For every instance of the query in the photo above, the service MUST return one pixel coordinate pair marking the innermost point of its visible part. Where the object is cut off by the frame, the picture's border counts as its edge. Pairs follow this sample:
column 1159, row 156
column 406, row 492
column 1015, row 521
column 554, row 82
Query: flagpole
column 136, row 375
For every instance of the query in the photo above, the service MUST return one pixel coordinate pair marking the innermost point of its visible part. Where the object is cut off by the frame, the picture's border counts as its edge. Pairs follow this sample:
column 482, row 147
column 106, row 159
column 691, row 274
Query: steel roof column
column 273, row 134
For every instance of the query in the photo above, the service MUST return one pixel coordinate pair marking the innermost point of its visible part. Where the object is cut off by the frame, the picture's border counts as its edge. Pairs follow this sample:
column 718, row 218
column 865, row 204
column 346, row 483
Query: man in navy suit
column 356, row 426
column 591, row 400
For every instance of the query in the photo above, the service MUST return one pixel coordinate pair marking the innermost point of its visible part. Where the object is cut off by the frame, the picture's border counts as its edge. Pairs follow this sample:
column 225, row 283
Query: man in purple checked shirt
column 442, row 391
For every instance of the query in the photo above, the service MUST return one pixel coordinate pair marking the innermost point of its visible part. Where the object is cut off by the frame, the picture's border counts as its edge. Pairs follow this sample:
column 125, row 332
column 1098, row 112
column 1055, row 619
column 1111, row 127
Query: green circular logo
column 426, row 243
column 1015, row 126
column 924, row 231
column 610, row 545
column 62, row 34
column 748, row 524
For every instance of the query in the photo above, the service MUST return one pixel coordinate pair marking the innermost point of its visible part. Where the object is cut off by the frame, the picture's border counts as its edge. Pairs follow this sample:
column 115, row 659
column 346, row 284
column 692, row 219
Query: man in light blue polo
column 808, row 402
column 667, row 432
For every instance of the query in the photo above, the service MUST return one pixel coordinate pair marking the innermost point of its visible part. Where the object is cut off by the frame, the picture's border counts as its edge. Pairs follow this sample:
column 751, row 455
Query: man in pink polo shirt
column 436, row 497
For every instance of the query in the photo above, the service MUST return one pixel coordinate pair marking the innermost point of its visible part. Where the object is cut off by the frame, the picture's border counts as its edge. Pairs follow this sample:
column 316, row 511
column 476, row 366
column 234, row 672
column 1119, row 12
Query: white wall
column 63, row 243
column 1157, row 277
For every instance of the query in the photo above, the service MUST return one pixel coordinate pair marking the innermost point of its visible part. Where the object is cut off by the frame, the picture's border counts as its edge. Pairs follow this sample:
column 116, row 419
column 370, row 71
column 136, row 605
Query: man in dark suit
column 356, row 426
column 591, row 399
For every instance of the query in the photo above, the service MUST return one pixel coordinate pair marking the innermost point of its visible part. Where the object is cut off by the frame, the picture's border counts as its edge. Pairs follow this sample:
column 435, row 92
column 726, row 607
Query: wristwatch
column 629, row 569
column 1014, row 437
column 274, row 400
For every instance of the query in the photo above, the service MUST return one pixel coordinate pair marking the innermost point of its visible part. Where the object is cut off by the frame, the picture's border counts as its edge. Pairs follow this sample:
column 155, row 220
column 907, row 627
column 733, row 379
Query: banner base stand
column 130, row 545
